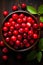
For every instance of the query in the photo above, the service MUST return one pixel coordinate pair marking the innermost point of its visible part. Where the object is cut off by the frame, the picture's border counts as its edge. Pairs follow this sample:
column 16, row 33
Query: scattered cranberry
column 10, row 20
column 5, row 34
column 15, row 32
column 30, row 32
column 24, row 19
column 23, row 5
column 5, row 29
column 7, row 39
column 23, row 25
column 11, row 28
column 29, row 19
column 1, row 43
column 17, row 26
column 13, row 38
column 21, row 30
column 41, row 25
column 21, row 15
column 18, row 43
column 7, row 24
column 28, row 25
column 5, row 50
column 19, row 37
column 27, row 45
column 35, row 36
column 14, row 7
column 19, row 20
column 35, row 26
column 4, row 57
column 5, row 13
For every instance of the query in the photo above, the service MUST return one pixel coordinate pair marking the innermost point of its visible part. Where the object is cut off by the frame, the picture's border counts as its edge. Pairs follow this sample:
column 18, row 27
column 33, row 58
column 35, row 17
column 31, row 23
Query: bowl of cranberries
column 20, row 31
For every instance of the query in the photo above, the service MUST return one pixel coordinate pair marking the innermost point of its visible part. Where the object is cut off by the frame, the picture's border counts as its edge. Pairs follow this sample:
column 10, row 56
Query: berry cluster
column 20, row 31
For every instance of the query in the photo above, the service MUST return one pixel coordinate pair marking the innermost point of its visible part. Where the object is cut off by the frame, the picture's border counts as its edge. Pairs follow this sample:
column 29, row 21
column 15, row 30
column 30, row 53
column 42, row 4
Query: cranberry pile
column 20, row 31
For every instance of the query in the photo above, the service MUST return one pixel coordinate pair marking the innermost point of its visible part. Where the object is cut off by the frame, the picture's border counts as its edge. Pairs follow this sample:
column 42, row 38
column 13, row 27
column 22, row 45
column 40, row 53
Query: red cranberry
column 7, row 24
column 18, row 43
column 9, row 33
column 21, row 15
column 23, row 5
column 13, row 23
column 5, row 13
column 35, row 36
column 41, row 25
column 29, row 37
column 5, row 50
column 19, row 20
column 5, row 29
column 21, row 45
column 33, row 22
column 24, row 35
column 31, row 41
column 19, row 37
column 21, row 30
column 11, row 28
column 14, row 7
column 10, row 19
column 24, row 19
column 15, row 16
column 1, row 43
column 13, row 38
column 4, row 57
column 11, row 43
column 5, row 34
column 25, row 41
column 35, row 26
column 7, row 39
column 30, row 32
column 27, row 45
column 23, row 25
column 15, row 32
column 28, row 25
column 17, row 26
column 26, row 29
column 29, row 19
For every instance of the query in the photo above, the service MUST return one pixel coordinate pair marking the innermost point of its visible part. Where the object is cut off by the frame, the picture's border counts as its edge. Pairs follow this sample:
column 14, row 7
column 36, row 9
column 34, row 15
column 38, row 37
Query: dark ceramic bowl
column 7, row 17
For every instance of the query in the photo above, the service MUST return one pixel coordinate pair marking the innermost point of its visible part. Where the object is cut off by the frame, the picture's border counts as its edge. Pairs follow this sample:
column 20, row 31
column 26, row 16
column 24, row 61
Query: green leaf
column 41, row 18
column 40, row 9
column 40, row 45
column 39, row 56
column 31, row 56
column 31, row 9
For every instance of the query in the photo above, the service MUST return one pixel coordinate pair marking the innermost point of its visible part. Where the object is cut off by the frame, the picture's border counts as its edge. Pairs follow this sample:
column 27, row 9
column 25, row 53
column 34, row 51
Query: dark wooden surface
column 6, row 5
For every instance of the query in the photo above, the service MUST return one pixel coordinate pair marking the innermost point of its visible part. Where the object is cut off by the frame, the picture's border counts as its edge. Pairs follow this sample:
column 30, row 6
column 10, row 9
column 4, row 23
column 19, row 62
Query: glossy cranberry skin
column 35, row 26
column 5, row 13
column 1, row 43
column 21, row 45
column 35, row 36
column 5, row 50
column 25, row 41
column 17, row 26
column 25, row 19
column 19, row 20
column 5, row 29
column 14, row 7
column 5, row 34
column 13, row 38
column 21, row 15
column 19, row 37
column 32, row 41
column 24, row 35
column 26, row 29
column 23, row 5
column 7, row 24
column 9, row 33
column 23, row 25
column 15, row 32
column 29, row 37
column 15, row 16
column 11, row 43
column 7, row 39
column 10, row 20
column 21, row 30
column 41, row 25
column 18, row 43
column 13, row 23
column 29, row 19
column 11, row 28
column 27, row 45
column 4, row 57
column 28, row 25
column 30, row 32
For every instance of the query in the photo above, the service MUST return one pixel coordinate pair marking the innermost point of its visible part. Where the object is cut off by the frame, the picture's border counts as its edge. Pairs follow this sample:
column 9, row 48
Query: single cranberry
column 5, row 34
column 14, row 7
column 5, row 29
column 15, row 16
column 5, row 50
column 26, row 29
column 41, row 25
column 32, row 41
column 24, row 35
column 7, row 39
column 24, row 19
column 17, row 26
column 9, row 33
column 27, row 45
column 23, row 25
column 21, row 30
column 5, row 13
column 7, row 24
column 21, row 45
column 28, row 25
column 19, row 20
column 18, row 43
column 23, row 5
column 11, row 28
column 11, row 43
column 10, row 19
column 25, row 41
column 19, row 37
column 30, row 32
column 13, row 23
column 35, row 36
column 32, row 22
column 21, row 15
column 1, row 43
column 4, row 57
column 35, row 26
column 15, row 32
column 29, row 37
column 13, row 38
column 29, row 19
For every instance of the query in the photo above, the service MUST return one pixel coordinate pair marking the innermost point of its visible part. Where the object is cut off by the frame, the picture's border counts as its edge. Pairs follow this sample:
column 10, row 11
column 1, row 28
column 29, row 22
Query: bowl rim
column 22, row 50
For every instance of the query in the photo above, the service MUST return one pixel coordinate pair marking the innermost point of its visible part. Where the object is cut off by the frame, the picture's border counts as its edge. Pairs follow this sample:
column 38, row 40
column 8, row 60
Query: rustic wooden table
column 6, row 5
